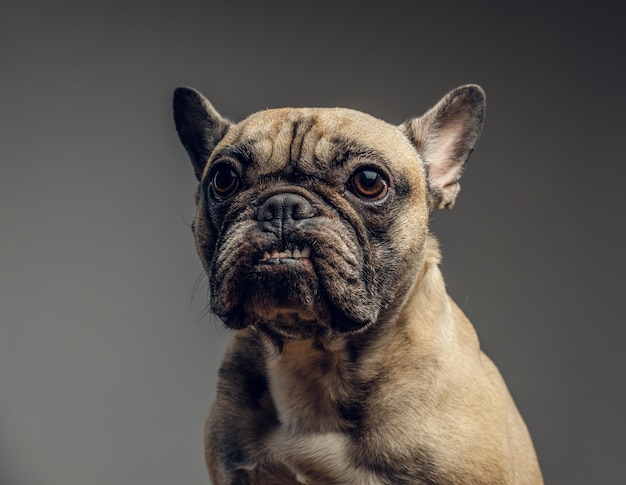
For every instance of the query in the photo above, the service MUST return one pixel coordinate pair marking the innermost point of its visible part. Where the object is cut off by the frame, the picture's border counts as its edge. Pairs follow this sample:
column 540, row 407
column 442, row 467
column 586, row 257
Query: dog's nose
column 282, row 210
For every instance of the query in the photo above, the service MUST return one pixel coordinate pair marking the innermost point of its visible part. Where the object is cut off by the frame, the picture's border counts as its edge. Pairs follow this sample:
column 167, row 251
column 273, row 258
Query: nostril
column 284, row 208
column 302, row 208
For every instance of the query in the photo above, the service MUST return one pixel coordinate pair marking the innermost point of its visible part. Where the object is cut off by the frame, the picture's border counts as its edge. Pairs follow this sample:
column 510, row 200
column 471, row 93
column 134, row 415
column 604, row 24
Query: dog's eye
column 224, row 182
column 369, row 184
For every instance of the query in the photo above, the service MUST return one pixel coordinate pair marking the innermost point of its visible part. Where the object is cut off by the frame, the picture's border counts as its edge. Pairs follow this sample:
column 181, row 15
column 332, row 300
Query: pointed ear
column 445, row 138
column 200, row 127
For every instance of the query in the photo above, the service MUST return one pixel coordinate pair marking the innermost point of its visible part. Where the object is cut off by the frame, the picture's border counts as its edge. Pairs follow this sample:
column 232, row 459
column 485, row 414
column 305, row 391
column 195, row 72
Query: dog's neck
column 313, row 383
column 429, row 316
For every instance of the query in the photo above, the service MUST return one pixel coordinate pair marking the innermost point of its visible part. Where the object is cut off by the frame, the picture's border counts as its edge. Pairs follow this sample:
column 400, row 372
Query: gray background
column 107, row 369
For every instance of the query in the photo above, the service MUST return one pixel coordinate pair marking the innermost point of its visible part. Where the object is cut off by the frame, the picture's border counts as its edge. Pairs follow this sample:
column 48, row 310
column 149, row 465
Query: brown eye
column 369, row 184
column 225, row 182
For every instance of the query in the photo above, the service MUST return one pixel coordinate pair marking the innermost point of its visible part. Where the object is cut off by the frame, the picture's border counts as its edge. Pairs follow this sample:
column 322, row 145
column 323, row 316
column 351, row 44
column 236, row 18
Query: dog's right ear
column 200, row 127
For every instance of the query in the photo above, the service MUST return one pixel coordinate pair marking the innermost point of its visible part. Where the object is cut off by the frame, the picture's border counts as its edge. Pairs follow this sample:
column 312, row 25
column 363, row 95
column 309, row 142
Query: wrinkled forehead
column 314, row 138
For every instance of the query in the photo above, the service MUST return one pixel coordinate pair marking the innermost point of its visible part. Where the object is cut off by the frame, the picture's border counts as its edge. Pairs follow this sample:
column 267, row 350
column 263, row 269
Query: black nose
column 282, row 210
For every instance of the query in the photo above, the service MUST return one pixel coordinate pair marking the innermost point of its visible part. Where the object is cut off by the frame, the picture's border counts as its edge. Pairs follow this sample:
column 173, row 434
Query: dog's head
column 312, row 222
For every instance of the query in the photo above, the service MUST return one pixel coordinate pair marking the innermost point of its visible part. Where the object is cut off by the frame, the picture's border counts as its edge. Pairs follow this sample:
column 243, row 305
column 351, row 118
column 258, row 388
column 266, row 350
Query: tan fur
column 361, row 369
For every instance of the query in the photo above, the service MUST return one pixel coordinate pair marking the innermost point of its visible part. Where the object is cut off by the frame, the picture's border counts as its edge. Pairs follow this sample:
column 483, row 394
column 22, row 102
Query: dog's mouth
column 296, row 285
column 286, row 256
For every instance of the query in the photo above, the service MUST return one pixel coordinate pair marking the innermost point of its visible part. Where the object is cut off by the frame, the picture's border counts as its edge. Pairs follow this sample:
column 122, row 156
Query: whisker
column 204, row 313
column 187, row 223
column 202, row 281
column 197, row 285
column 217, row 324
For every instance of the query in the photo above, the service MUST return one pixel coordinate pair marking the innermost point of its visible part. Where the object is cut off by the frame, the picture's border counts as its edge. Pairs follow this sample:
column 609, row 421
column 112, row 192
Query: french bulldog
column 349, row 362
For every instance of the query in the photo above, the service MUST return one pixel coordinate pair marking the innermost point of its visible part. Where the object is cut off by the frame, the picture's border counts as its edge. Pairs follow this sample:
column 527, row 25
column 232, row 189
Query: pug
column 349, row 362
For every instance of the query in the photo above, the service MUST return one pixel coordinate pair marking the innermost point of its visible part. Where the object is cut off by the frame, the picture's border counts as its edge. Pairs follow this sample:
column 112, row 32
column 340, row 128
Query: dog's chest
column 307, row 387
column 316, row 458
column 313, row 438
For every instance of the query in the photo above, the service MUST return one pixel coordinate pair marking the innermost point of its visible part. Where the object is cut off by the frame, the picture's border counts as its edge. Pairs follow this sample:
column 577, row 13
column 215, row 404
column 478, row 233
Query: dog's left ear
column 200, row 127
column 445, row 138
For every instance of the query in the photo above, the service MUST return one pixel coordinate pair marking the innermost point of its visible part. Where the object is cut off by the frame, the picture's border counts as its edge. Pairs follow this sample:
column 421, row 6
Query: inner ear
column 445, row 138
column 200, row 127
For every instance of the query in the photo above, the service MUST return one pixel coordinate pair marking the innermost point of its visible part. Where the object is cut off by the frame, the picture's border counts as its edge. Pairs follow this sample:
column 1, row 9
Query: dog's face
column 312, row 222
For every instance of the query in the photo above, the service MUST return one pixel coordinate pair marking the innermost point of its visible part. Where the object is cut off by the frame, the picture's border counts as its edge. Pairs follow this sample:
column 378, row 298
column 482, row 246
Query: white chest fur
column 318, row 458
column 312, row 438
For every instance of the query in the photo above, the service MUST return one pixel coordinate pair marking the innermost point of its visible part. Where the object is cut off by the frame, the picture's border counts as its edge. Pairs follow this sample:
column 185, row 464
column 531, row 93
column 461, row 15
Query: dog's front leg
column 241, row 417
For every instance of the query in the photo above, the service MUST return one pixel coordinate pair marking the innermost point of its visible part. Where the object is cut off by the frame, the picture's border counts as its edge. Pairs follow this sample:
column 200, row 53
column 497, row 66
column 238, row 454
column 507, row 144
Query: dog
column 350, row 364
